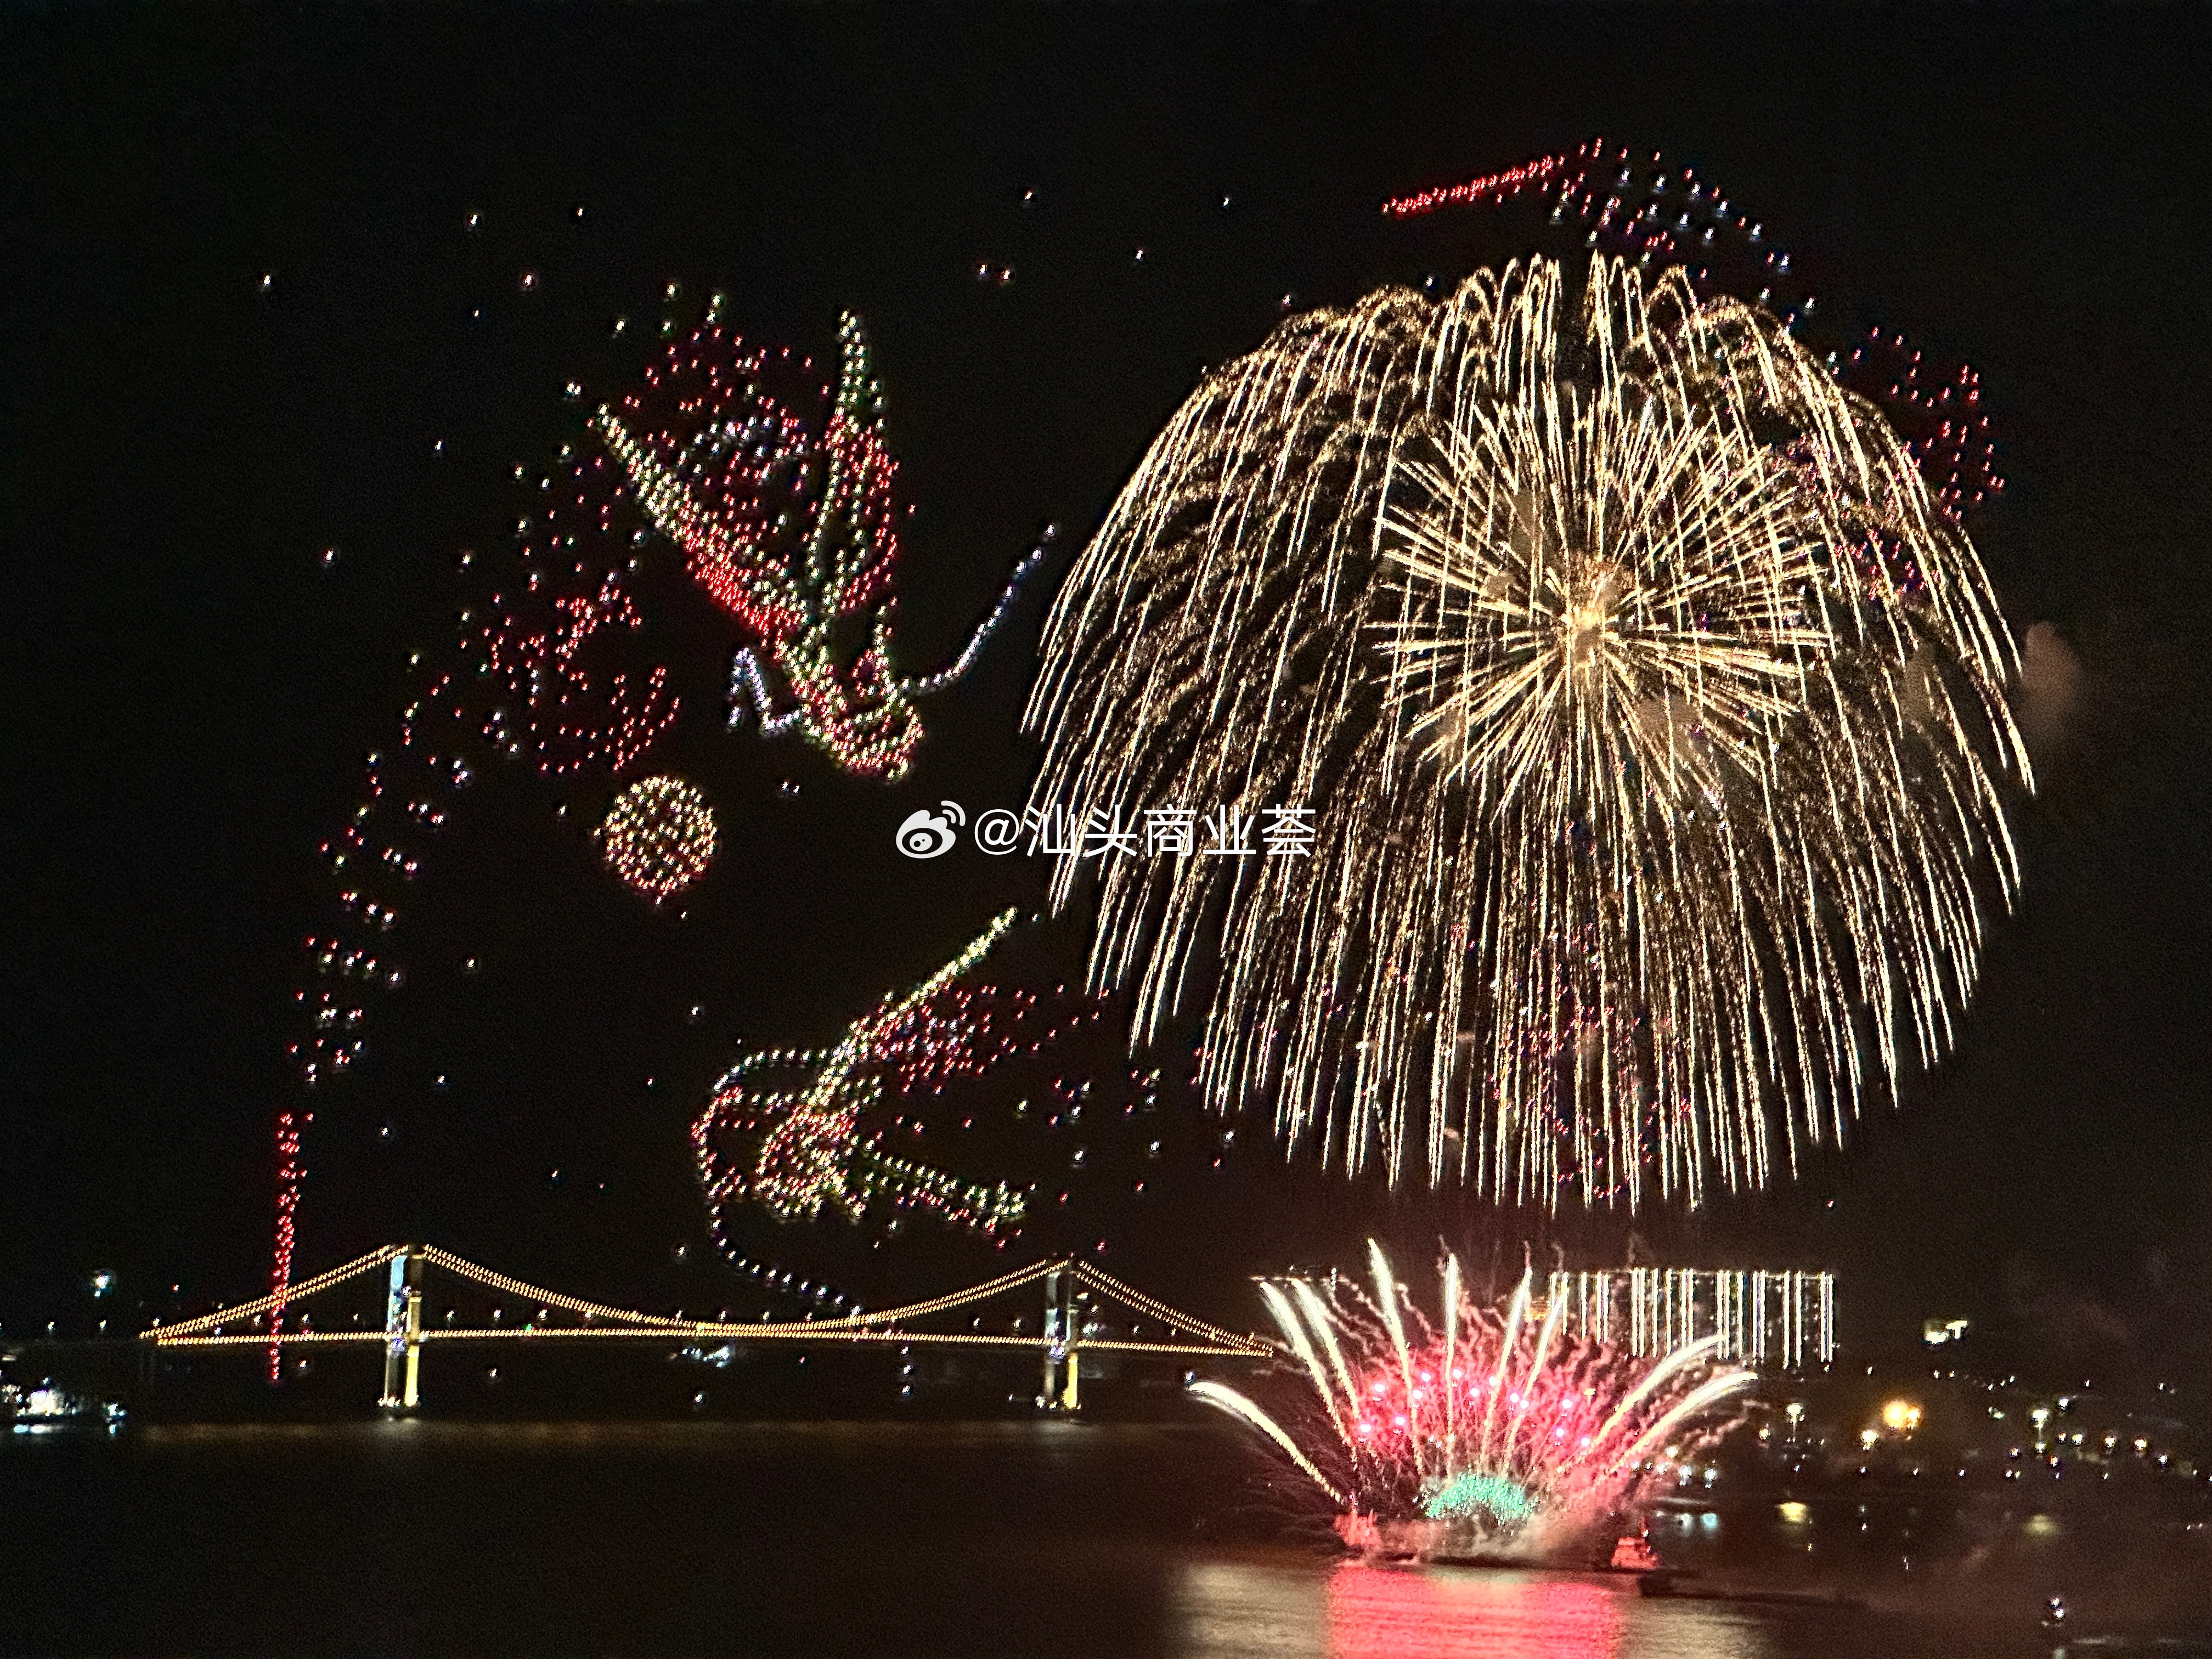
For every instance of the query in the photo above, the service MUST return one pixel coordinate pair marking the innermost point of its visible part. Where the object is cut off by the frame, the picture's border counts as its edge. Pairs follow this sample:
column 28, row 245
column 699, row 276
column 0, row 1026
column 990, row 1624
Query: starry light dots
column 800, row 1148
column 781, row 492
column 659, row 836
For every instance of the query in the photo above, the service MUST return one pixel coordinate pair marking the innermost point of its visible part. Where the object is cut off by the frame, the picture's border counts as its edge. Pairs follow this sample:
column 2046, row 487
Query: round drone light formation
column 659, row 836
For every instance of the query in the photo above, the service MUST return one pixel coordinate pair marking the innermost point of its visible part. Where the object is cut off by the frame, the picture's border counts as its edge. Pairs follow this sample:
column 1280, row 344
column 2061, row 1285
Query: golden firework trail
column 1652, row 718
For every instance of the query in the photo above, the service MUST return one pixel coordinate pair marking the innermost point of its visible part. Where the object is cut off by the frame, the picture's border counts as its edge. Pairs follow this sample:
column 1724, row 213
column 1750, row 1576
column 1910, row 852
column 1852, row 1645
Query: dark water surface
column 1055, row 1539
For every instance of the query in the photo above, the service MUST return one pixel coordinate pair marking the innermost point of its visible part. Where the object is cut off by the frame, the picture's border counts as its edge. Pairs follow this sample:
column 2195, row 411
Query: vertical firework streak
column 1651, row 712
column 1567, row 1425
column 779, row 490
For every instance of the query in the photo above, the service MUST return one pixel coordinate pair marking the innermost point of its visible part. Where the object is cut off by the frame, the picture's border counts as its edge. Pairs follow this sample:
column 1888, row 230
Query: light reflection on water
column 1232, row 1609
column 995, row 1540
column 1382, row 1614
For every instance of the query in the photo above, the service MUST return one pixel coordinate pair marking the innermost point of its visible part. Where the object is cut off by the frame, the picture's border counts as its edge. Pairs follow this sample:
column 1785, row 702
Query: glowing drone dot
column 659, row 836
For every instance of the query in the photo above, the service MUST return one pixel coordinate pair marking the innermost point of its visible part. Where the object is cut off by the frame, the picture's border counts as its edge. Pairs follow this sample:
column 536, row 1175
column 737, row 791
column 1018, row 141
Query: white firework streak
column 1653, row 719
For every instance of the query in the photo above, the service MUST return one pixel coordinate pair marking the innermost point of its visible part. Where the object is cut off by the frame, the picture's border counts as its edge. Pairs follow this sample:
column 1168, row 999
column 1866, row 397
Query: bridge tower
column 403, row 1331
column 1063, row 1327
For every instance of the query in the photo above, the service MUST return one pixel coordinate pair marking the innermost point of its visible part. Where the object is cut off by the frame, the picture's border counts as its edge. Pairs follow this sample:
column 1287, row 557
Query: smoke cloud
column 2049, row 691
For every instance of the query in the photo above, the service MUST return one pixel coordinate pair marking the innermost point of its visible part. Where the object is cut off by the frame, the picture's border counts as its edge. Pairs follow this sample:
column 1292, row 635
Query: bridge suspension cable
column 876, row 1326
column 293, row 1292
column 1099, row 1279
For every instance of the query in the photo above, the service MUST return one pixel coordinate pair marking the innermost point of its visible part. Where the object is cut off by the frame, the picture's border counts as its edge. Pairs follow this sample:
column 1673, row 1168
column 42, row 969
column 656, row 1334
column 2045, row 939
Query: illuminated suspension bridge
column 1069, row 1330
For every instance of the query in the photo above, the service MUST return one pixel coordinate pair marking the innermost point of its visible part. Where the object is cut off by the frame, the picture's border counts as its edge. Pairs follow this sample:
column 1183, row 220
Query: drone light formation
column 659, row 836
column 802, row 1148
column 790, row 525
column 1479, row 1432
column 1652, row 713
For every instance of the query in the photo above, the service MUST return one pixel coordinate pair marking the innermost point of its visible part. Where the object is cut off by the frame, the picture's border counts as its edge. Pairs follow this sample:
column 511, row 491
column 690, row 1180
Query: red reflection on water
column 1386, row 1612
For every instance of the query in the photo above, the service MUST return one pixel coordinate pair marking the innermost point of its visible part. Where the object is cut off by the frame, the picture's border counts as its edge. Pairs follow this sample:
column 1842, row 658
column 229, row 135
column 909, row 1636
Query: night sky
column 190, row 690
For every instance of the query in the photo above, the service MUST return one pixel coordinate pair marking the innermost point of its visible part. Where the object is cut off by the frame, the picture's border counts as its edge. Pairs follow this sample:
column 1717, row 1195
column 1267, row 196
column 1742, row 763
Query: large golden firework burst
column 1652, row 717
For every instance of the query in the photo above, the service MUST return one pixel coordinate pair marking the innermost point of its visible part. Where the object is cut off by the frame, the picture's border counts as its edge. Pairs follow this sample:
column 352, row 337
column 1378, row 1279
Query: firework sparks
column 1481, row 1433
column 1643, row 208
column 1653, row 712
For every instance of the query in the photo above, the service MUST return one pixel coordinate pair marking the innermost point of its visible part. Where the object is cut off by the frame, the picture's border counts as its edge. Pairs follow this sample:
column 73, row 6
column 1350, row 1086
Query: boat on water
column 1429, row 1544
column 46, row 1408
